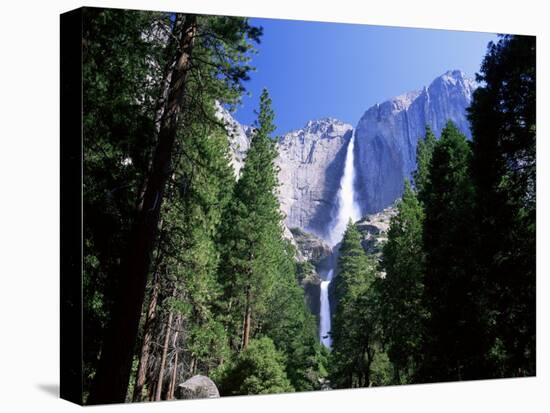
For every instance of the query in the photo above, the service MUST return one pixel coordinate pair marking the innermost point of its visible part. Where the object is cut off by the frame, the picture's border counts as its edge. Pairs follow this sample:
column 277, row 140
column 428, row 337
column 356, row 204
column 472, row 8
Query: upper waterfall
column 347, row 206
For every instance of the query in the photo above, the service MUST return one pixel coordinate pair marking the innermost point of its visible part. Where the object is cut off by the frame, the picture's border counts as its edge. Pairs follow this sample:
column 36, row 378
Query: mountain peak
column 454, row 78
column 455, row 74
column 322, row 123
column 325, row 125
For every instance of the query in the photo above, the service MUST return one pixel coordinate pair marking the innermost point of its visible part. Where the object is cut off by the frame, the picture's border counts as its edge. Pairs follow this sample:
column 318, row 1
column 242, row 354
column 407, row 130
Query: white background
column 29, row 206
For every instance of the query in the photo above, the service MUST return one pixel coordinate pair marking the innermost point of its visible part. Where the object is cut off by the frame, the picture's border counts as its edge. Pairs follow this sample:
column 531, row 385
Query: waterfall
column 347, row 208
column 324, row 328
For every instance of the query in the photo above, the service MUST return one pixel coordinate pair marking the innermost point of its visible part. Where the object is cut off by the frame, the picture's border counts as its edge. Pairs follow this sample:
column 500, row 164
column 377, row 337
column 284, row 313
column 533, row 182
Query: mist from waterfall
column 347, row 208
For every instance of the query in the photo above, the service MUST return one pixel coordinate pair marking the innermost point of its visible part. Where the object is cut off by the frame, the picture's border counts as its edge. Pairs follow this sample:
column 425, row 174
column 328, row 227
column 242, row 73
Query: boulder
column 197, row 387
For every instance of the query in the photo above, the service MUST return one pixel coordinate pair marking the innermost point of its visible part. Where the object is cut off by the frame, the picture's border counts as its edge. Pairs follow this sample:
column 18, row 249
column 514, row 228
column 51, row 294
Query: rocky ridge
column 387, row 135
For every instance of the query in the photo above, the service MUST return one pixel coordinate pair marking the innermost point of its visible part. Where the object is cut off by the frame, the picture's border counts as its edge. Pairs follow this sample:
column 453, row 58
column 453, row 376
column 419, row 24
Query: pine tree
column 196, row 197
column 355, row 330
column 118, row 128
column 454, row 344
column 424, row 152
column 252, row 233
column 503, row 119
column 402, row 288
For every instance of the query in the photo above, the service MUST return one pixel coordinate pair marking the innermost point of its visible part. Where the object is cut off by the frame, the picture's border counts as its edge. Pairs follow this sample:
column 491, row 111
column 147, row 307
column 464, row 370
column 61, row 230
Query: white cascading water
column 347, row 206
column 347, row 209
column 324, row 328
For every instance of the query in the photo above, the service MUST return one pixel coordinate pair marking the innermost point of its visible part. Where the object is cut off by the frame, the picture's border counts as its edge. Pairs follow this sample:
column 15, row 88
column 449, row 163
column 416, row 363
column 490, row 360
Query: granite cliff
column 311, row 160
column 387, row 136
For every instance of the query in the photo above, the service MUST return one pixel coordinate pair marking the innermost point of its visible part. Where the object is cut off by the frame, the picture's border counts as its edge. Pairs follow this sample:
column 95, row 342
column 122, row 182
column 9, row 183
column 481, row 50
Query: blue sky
column 315, row 70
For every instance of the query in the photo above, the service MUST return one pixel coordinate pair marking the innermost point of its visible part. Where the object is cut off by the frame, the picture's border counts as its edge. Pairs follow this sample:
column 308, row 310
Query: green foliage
column 356, row 328
column 259, row 369
column 293, row 328
column 424, row 152
column 258, row 269
column 252, row 233
column 454, row 344
column 128, row 56
column 118, row 133
column 402, row 288
column 191, row 222
column 503, row 119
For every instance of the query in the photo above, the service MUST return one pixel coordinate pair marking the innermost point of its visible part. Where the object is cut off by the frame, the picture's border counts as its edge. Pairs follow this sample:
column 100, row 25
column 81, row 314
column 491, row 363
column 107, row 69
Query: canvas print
column 274, row 206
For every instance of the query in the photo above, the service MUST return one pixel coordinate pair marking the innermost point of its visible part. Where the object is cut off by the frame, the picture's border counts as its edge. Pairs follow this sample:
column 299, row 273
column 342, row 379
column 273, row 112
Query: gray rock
column 374, row 230
column 197, row 387
column 316, row 255
column 311, row 283
column 239, row 138
column 388, row 133
column 311, row 162
column 310, row 247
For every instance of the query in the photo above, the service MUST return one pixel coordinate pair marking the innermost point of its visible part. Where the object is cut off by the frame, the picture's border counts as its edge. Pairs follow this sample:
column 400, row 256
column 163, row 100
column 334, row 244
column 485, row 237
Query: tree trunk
column 163, row 357
column 192, row 366
column 111, row 381
column 151, row 392
column 147, row 340
column 247, row 319
column 370, row 358
column 396, row 375
column 172, row 387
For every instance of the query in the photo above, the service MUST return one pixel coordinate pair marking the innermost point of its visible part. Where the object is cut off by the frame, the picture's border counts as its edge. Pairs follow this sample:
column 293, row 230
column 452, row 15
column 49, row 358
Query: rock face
column 311, row 248
column 314, row 253
column 239, row 138
column 197, row 387
column 388, row 133
column 310, row 281
column 311, row 162
column 374, row 230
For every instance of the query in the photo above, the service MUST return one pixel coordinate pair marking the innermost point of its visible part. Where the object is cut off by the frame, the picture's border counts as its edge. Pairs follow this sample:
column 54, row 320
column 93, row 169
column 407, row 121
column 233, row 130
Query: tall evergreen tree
column 356, row 330
column 454, row 344
column 196, row 196
column 118, row 130
column 401, row 290
column 503, row 119
column 252, row 237
column 424, row 152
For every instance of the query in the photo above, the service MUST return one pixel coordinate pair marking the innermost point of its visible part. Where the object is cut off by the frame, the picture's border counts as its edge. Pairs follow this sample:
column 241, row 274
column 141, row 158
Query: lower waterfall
column 324, row 328
column 347, row 208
